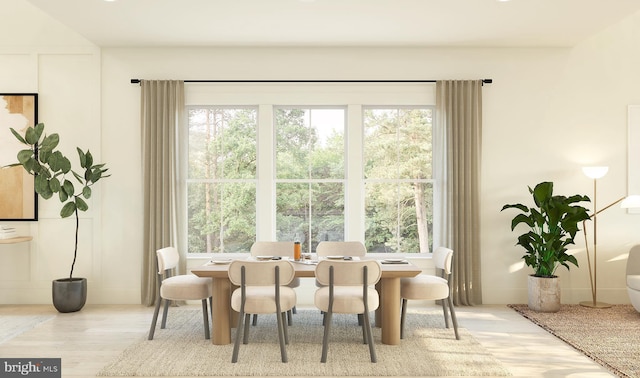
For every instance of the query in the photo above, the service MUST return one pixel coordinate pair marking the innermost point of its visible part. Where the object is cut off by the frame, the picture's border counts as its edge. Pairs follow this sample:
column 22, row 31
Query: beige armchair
column 179, row 288
column 341, row 248
column 262, row 290
column 633, row 276
column 430, row 287
column 279, row 249
column 347, row 289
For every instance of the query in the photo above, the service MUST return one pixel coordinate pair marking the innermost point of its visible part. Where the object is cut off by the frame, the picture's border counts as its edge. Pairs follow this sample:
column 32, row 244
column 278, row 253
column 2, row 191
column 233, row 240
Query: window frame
column 311, row 180
column 268, row 95
column 195, row 181
column 432, row 181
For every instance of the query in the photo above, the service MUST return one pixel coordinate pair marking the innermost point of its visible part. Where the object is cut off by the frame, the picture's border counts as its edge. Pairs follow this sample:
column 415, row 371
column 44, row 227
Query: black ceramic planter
column 69, row 296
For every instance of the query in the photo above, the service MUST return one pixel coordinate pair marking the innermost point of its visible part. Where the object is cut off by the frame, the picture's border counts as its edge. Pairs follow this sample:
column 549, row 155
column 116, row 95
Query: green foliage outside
column 222, row 146
column 398, row 169
column 310, row 177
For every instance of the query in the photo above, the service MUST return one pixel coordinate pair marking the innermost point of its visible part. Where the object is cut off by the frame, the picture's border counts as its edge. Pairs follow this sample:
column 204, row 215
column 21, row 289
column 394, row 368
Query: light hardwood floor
column 89, row 339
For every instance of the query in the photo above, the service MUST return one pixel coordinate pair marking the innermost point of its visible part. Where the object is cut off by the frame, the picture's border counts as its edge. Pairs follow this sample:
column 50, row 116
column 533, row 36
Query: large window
column 310, row 174
column 398, row 180
column 337, row 162
column 221, row 184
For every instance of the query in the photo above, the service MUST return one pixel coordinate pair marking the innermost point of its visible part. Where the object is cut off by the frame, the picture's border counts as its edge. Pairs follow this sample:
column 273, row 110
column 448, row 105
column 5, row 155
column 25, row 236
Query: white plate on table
column 394, row 260
column 221, row 261
column 263, row 258
column 335, row 257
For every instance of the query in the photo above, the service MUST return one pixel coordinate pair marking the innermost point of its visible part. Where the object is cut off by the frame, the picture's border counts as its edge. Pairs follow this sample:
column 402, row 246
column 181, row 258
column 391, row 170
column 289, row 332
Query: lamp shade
column 595, row 172
column 631, row 202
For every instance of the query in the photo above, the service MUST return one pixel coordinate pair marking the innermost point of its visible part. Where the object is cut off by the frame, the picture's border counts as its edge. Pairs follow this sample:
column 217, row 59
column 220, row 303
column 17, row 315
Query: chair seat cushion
column 186, row 287
column 424, row 286
column 346, row 299
column 262, row 299
column 633, row 281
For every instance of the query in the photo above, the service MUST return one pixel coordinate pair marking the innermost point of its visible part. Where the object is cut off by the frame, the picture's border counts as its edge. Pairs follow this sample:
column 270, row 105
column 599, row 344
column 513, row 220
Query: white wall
column 548, row 112
column 40, row 55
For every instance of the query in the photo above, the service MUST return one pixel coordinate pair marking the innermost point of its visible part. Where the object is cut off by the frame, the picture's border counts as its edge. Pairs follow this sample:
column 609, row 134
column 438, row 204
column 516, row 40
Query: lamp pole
column 595, row 173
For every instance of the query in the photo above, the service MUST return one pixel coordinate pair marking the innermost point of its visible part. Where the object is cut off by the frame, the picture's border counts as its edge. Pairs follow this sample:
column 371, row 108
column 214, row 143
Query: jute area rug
column 428, row 349
column 610, row 336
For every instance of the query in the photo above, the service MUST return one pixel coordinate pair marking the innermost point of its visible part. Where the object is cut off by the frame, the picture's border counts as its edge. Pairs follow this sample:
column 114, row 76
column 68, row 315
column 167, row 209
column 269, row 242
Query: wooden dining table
column 387, row 316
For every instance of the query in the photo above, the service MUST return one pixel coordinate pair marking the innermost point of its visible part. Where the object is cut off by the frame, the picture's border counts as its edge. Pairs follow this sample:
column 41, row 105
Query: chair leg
column 289, row 317
column 236, row 344
column 245, row 339
column 402, row 317
column 154, row 321
column 453, row 318
column 281, row 325
column 286, row 328
column 364, row 330
column 163, row 325
column 294, row 310
column 255, row 319
column 359, row 319
column 211, row 308
column 367, row 327
column 444, row 311
column 325, row 338
column 205, row 316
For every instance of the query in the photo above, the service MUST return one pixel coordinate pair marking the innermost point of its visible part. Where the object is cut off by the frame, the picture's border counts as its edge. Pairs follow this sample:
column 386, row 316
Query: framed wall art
column 18, row 199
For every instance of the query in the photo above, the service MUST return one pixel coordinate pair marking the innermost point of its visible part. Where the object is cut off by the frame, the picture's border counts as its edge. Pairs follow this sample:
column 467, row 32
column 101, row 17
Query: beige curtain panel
column 162, row 110
column 459, row 112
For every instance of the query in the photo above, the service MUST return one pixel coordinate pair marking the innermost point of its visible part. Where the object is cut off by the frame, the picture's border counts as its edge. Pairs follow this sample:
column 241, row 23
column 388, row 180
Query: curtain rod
column 484, row 81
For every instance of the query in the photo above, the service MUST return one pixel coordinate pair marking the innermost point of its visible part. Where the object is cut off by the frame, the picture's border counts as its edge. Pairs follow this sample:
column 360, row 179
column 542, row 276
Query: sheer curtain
column 162, row 112
column 459, row 120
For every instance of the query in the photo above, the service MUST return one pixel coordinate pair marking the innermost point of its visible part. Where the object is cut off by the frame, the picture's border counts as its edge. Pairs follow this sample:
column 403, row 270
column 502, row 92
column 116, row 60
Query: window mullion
column 354, row 190
column 265, row 196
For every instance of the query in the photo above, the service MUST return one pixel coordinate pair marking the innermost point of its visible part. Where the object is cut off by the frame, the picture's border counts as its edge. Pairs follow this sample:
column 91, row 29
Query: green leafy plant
column 553, row 224
column 54, row 176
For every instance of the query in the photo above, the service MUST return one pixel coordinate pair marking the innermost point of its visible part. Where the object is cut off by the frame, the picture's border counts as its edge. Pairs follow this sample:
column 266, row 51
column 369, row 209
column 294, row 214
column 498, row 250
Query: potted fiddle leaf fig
column 54, row 177
column 552, row 224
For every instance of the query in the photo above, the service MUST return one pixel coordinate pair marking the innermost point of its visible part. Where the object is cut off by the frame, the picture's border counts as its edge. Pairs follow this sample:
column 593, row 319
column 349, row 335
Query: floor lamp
column 629, row 202
column 595, row 173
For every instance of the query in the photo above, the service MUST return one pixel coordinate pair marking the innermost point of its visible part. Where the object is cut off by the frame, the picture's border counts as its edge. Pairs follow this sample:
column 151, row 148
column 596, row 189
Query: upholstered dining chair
column 341, row 248
column 279, row 249
column 347, row 288
column 182, row 287
column 262, row 290
column 430, row 287
column 633, row 276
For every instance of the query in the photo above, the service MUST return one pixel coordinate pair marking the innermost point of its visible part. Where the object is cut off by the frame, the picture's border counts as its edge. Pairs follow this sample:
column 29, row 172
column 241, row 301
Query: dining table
column 387, row 316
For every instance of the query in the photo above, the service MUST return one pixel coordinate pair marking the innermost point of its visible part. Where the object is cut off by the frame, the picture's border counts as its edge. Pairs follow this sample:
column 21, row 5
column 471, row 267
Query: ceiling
column 463, row 23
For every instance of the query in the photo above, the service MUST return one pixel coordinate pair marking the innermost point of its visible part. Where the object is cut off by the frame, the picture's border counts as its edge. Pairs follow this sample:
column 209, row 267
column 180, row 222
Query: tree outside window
column 310, row 174
column 310, row 180
column 221, row 184
column 398, row 180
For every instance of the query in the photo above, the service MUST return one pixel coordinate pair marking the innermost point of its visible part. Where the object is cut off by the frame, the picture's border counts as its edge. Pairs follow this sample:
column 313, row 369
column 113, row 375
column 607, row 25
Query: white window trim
column 354, row 96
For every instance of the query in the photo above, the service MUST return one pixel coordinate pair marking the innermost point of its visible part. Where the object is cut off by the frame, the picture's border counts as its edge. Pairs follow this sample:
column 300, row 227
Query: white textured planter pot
column 544, row 294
